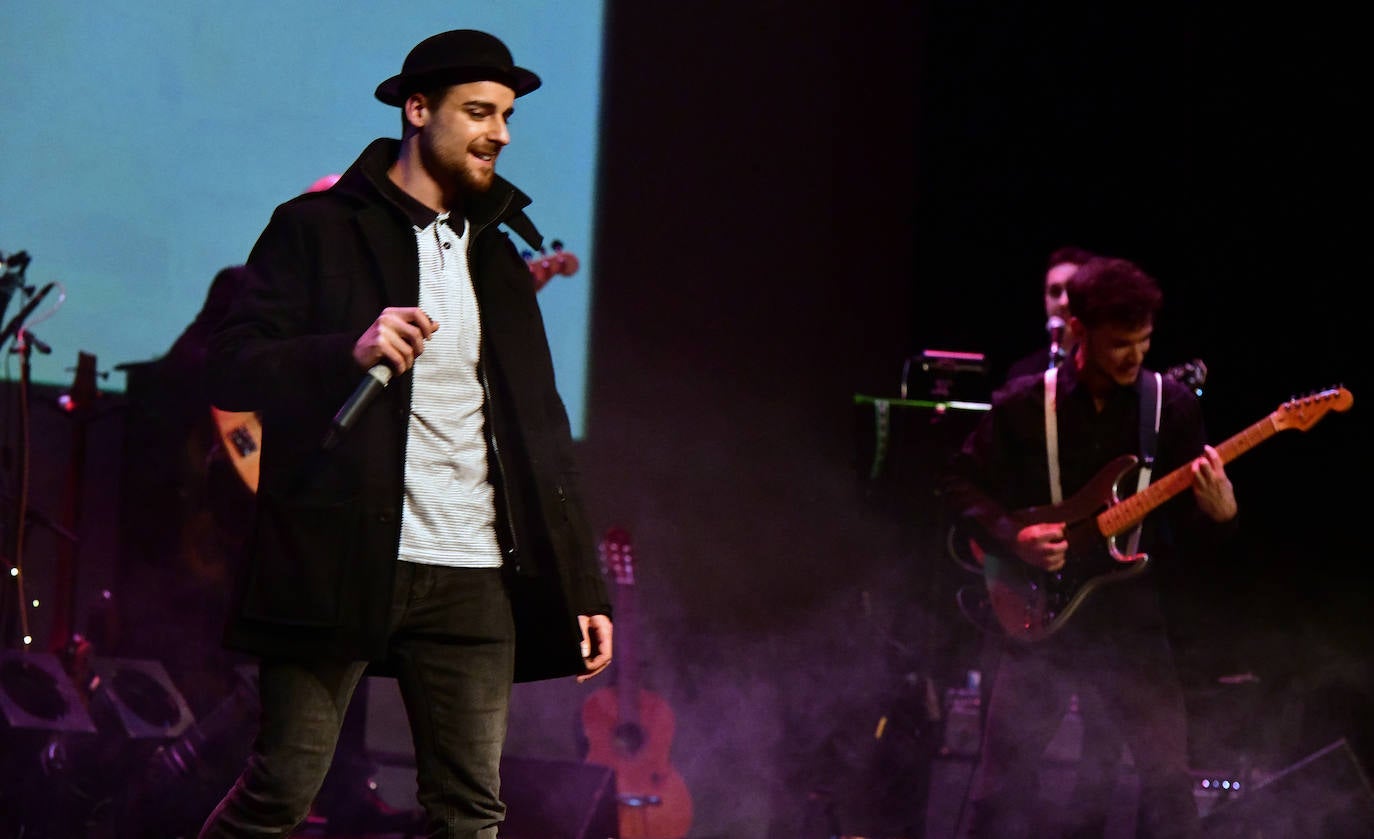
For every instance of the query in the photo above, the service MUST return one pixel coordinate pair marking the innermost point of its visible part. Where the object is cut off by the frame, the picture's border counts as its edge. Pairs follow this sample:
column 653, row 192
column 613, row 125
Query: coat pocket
column 300, row 558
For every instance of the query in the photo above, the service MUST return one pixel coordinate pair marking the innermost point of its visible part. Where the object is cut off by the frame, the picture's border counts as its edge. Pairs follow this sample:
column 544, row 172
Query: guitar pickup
column 243, row 441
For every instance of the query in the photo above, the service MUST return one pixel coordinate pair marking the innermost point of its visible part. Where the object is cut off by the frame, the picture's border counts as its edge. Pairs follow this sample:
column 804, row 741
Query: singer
column 440, row 537
column 1062, row 264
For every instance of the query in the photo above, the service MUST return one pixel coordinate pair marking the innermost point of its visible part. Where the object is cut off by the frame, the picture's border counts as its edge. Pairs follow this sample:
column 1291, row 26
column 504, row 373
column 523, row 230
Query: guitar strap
column 1150, row 402
column 1052, row 436
column 1150, row 387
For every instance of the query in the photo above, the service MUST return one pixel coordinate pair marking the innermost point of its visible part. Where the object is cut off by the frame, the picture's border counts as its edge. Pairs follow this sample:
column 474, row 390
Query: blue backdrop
column 143, row 146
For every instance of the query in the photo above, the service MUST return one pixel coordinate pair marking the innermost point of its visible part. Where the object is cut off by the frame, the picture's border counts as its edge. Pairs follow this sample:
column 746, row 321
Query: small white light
column 1206, row 783
column 28, row 639
column 35, row 603
column 14, row 572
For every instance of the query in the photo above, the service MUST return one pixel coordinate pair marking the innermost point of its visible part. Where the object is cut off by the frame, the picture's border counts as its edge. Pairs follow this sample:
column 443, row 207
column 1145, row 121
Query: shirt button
column 448, row 245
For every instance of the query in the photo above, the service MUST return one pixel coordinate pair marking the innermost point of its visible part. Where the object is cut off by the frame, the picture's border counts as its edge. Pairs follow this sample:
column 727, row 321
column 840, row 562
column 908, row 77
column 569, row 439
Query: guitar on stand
column 630, row 729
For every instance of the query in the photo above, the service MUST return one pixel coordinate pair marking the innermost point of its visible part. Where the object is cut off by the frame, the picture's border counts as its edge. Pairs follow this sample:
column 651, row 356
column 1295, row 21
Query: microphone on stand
column 17, row 321
column 1055, row 326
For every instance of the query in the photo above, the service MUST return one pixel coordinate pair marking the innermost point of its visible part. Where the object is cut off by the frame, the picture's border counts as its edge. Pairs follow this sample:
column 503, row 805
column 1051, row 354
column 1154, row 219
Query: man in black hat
column 431, row 528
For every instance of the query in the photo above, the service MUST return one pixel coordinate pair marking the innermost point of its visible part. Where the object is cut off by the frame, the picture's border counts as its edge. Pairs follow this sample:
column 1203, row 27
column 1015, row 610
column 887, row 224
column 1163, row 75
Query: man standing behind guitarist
column 1113, row 652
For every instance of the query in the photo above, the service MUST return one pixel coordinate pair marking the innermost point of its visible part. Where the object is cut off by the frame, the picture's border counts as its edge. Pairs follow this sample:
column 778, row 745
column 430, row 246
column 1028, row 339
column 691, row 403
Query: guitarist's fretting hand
column 1212, row 489
column 1042, row 545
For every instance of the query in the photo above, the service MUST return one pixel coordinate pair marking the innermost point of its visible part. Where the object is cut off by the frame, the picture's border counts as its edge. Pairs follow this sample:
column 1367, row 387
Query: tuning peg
column 565, row 262
column 541, row 270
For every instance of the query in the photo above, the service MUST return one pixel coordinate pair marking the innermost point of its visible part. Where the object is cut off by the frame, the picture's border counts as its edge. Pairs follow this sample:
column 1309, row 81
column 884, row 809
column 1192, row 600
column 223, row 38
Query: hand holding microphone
column 389, row 347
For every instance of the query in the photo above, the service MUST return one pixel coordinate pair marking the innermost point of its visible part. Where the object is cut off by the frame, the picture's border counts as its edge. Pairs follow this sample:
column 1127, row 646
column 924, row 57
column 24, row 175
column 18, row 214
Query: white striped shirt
column 449, row 514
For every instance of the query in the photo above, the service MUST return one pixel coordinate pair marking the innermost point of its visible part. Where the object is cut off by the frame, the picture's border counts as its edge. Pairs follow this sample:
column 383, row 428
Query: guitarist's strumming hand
column 1042, row 545
column 1212, row 489
column 596, row 644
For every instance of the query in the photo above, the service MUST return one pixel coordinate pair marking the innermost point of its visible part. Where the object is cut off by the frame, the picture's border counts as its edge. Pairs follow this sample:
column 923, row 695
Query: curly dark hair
column 1107, row 290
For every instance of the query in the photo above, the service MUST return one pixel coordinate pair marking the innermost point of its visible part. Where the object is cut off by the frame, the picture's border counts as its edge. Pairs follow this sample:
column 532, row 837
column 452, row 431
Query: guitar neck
column 1121, row 517
column 627, row 666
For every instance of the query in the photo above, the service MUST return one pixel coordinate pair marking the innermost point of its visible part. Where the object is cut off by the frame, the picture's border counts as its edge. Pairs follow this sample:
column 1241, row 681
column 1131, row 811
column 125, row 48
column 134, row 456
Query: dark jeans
column 452, row 646
column 1128, row 693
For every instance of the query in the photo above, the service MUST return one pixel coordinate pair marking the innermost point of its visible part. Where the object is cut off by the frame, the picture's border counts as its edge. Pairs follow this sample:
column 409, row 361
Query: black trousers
column 452, row 646
column 1128, row 694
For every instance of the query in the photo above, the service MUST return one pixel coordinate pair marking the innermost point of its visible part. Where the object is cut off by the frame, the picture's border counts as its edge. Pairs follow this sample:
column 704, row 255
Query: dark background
column 794, row 201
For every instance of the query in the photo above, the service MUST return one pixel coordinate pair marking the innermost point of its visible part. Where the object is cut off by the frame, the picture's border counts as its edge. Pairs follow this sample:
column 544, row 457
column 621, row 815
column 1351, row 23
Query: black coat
column 318, row 574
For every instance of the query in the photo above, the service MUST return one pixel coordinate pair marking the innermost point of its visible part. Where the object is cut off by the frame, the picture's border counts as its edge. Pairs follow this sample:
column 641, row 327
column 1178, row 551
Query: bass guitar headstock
column 546, row 266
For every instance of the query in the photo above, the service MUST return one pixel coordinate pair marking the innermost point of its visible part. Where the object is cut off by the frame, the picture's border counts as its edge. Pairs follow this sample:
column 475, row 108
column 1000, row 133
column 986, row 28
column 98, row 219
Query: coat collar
column 504, row 203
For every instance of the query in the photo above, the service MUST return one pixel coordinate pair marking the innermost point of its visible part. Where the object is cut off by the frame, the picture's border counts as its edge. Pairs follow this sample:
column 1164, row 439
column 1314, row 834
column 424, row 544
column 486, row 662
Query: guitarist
column 1114, row 653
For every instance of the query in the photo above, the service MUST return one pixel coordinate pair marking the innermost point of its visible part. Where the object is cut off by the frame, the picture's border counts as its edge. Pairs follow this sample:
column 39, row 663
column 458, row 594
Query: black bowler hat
column 455, row 57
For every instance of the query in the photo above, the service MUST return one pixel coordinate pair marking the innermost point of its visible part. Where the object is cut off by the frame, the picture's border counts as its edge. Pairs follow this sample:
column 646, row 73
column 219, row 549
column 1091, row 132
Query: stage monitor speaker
column 36, row 694
column 40, row 706
column 1326, row 795
column 183, row 779
column 137, row 698
column 558, row 799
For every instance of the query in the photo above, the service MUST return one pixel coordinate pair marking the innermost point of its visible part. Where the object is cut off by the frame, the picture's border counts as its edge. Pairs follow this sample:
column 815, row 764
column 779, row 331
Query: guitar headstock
column 1191, row 373
column 1303, row 412
column 546, row 266
column 616, row 556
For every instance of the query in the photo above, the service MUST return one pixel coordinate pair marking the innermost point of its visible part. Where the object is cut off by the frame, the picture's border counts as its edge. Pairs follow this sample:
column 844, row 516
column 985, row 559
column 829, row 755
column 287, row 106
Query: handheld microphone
column 374, row 381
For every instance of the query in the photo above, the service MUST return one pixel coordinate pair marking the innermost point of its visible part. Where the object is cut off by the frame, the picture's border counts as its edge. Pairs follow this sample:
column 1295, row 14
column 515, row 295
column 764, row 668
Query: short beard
column 470, row 184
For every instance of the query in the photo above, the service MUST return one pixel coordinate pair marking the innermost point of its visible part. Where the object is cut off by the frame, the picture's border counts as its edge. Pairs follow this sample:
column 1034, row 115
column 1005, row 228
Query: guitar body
column 654, row 801
column 240, row 436
column 1030, row 604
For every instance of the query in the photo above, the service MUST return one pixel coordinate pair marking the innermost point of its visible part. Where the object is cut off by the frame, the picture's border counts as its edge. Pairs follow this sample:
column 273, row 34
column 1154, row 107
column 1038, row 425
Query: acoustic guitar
column 240, row 432
column 630, row 729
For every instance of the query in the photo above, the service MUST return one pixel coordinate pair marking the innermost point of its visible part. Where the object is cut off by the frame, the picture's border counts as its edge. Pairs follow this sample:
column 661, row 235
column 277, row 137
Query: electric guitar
column 240, row 432
column 630, row 729
column 966, row 552
column 1030, row 604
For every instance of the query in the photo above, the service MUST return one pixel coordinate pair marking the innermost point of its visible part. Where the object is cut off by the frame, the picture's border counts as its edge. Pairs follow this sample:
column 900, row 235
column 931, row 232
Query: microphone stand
column 15, row 611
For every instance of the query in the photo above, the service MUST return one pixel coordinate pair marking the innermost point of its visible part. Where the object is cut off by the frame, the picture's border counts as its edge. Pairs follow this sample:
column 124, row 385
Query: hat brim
column 395, row 90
